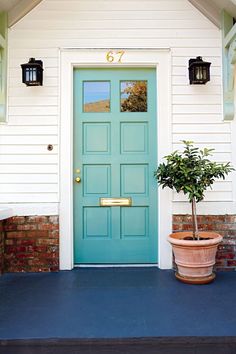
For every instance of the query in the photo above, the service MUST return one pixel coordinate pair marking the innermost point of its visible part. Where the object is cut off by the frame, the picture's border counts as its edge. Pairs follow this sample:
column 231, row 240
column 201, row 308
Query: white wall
column 28, row 171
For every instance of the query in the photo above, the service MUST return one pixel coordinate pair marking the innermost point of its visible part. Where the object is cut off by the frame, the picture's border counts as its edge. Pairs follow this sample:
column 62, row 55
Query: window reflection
column 96, row 96
column 133, row 96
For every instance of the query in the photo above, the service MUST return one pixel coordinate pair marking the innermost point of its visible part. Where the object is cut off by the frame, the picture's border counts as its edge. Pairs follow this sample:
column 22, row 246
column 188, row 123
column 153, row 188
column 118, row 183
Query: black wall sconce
column 32, row 72
column 199, row 71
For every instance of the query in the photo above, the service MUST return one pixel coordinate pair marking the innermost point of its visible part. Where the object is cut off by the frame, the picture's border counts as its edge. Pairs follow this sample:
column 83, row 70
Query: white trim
column 70, row 58
column 26, row 209
column 6, row 213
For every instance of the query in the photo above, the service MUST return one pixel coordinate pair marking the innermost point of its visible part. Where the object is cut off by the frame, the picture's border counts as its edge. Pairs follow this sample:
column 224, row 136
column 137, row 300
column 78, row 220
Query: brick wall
column 31, row 244
column 1, row 247
column 225, row 225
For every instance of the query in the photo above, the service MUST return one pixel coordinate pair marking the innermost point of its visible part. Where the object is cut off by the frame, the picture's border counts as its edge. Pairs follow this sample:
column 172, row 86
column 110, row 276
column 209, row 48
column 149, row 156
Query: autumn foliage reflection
column 134, row 96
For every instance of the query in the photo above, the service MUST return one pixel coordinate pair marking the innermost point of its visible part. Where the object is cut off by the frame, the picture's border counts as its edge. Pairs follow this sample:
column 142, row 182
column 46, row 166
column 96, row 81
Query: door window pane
column 96, row 96
column 133, row 96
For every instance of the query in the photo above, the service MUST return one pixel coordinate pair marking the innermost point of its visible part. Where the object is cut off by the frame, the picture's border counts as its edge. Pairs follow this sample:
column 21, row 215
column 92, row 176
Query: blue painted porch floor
column 114, row 303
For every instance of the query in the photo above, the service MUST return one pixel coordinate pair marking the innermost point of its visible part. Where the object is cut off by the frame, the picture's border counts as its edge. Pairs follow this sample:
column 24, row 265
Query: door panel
column 115, row 156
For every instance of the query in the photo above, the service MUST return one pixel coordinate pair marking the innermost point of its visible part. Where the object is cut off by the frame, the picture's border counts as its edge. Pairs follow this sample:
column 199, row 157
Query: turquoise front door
column 114, row 157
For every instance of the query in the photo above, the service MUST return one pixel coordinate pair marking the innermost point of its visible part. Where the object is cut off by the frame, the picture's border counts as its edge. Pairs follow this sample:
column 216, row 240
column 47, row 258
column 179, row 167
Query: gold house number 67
column 114, row 56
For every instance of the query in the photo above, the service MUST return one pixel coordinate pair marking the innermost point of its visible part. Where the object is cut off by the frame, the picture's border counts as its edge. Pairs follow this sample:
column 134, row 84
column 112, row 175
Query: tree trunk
column 194, row 220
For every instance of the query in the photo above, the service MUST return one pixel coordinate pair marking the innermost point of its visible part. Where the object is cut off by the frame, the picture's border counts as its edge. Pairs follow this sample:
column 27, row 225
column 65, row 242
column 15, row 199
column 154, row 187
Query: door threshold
column 115, row 265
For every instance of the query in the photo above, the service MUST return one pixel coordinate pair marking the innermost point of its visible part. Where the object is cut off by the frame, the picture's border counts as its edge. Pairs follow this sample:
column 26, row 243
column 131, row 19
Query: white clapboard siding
column 27, row 149
column 138, row 5
column 203, row 138
column 30, row 168
column 196, row 118
column 219, row 147
column 192, row 108
column 24, row 178
column 201, row 128
column 115, row 41
column 130, row 23
column 210, row 196
column 29, row 198
column 184, row 61
column 29, row 101
column 28, row 130
column 33, row 113
column 219, row 187
column 33, row 120
column 28, row 140
column 27, row 159
column 198, row 99
column 183, row 90
column 91, row 17
column 35, row 110
column 39, row 92
column 28, row 188
column 137, row 30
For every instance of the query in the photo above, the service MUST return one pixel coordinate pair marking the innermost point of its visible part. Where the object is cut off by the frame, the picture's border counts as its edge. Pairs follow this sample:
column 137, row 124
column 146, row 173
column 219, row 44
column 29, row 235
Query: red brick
column 16, row 220
column 10, row 227
column 215, row 218
column 177, row 218
column 230, row 219
column 53, row 249
column 177, row 227
column 37, row 219
column 25, row 242
column 38, row 249
column 54, row 219
column 201, row 219
column 53, row 234
column 37, row 234
column 48, row 226
column 53, row 262
column 27, row 227
column 36, row 262
column 187, row 227
column 47, row 241
column 225, row 255
column 9, row 242
column 54, row 269
column 16, row 234
column 232, row 263
column 49, row 255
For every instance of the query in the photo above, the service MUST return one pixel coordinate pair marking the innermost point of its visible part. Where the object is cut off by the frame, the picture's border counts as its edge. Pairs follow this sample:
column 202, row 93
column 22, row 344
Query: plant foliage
column 191, row 172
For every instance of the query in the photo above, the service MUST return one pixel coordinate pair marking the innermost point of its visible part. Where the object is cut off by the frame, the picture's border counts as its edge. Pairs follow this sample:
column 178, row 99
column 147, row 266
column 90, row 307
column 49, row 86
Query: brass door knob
column 78, row 180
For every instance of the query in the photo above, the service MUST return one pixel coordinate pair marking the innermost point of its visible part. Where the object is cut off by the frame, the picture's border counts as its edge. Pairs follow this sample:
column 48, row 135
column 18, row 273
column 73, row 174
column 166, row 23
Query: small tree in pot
column 191, row 172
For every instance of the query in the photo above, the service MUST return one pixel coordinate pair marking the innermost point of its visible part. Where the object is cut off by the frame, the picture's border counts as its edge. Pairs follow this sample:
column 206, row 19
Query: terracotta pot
column 195, row 259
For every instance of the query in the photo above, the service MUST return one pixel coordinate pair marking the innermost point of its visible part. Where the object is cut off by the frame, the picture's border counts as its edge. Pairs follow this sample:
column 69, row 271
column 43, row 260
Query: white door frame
column 71, row 58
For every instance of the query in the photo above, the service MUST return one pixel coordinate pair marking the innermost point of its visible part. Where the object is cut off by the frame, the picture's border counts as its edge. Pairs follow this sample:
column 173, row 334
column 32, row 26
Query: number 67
column 114, row 56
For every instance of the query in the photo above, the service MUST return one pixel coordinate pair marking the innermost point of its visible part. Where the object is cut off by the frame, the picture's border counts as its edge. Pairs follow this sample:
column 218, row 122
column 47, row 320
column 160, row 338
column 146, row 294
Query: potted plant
column 191, row 172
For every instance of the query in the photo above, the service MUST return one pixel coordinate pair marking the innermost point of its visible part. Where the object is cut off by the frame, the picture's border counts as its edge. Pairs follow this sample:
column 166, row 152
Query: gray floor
column 114, row 303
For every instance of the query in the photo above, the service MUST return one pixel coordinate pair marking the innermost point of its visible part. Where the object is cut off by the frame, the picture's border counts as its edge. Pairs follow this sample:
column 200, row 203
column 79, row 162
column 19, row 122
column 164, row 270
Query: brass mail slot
column 125, row 202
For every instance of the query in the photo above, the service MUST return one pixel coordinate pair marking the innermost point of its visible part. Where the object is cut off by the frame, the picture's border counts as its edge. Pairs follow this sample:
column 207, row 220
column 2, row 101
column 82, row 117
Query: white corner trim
column 70, row 58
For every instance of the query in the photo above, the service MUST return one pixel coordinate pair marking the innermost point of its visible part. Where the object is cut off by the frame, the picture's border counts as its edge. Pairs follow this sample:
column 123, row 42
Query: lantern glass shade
column 32, row 73
column 199, row 71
